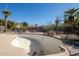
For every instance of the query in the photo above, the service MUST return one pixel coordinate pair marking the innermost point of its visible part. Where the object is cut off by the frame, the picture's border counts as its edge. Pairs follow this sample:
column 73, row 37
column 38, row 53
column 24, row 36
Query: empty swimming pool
column 39, row 45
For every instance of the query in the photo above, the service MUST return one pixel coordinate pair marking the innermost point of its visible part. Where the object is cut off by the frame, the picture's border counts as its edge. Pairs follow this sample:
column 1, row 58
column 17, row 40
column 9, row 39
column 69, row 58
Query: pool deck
column 6, row 48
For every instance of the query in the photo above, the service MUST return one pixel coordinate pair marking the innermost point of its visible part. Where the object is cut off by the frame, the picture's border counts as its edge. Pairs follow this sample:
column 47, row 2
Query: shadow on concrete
column 35, row 47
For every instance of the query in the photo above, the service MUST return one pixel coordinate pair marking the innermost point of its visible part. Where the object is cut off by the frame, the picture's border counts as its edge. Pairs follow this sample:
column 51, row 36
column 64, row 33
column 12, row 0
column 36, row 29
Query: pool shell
column 33, row 44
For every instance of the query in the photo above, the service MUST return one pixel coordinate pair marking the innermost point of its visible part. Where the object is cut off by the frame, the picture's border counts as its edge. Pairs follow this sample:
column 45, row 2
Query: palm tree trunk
column 5, row 23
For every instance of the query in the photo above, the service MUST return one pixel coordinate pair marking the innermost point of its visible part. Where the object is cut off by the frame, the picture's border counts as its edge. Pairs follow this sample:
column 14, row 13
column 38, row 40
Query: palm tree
column 70, row 16
column 70, row 20
column 6, row 14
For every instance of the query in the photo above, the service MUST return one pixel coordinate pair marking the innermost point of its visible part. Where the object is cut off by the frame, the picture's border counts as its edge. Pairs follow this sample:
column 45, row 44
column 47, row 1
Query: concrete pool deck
column 6, row 49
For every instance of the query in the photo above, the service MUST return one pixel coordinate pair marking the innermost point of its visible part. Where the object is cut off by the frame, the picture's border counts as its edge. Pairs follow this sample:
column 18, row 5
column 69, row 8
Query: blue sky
column 36, row 13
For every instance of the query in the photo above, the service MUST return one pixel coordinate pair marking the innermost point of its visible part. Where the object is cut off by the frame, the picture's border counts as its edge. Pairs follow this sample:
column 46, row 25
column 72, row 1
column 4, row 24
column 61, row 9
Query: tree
column 6, row 14
column 25, row 24
column 57, row 21
column 11, row 24
column 70, row 15
column 69, row 18
column 2, row 22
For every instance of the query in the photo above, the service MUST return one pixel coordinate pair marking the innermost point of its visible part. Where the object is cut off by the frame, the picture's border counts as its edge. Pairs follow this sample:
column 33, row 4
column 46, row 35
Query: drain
column 38, row 53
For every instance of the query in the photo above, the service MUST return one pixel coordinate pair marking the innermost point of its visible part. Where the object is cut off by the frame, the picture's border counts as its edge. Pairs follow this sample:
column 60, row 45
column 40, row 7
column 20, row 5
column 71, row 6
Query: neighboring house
column 18, row 26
